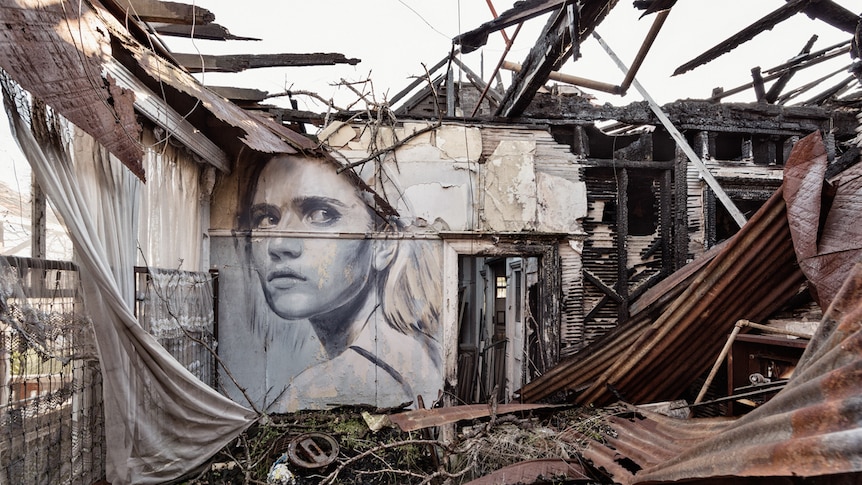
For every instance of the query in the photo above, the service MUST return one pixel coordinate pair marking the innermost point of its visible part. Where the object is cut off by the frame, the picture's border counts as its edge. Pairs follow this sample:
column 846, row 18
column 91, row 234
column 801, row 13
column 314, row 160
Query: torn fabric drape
column 172, row 207
column 161, row 422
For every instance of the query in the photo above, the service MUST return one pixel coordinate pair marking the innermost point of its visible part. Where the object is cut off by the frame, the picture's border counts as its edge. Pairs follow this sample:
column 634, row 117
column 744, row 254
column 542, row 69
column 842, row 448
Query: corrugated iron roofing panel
column 656, row 357
column 811, row 428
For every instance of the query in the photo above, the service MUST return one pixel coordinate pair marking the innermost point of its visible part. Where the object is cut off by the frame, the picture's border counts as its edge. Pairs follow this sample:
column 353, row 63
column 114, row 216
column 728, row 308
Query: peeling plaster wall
column 447, row 179
column 509, row 188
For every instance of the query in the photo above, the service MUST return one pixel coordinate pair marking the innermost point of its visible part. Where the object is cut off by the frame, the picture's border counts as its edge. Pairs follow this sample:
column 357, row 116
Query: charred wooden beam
column 767, row 22
column 833, row 14
column 426, row 78
column 553, row 48
column 205, row 31
column 808, row 59
column 695, row 114
column 782, row 81
column 522, row 12
column 832, row 92
column 285, row 115
column 622, row 234
column 604, row 288
column 166, row 12
column 476, row 81
column 653, row 6
column 809, row 86
column 757, row 79
column 241, row 62
column 802, row 63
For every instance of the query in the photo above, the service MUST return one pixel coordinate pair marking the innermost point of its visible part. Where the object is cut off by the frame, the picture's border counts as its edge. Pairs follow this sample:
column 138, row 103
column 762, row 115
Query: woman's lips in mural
column 284, row 278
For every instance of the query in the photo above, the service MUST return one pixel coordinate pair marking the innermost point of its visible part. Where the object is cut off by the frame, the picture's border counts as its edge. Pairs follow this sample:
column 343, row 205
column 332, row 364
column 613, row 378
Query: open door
column 494, row 344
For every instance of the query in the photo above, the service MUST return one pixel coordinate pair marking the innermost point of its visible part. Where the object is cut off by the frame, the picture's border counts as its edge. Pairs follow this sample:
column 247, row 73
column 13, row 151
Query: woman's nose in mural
column 281, row 248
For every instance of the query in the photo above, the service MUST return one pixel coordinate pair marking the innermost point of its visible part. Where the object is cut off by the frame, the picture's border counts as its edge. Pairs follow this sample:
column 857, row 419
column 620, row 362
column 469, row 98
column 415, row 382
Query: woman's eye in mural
column 320, row 211
column 265, row 216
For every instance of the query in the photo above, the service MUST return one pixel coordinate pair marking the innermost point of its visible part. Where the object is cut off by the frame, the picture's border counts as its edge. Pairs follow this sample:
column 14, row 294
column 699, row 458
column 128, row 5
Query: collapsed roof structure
column 637, row 327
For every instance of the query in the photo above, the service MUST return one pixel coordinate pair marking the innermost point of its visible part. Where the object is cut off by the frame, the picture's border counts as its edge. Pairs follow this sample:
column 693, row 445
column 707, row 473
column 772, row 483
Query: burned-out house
column 466, row 243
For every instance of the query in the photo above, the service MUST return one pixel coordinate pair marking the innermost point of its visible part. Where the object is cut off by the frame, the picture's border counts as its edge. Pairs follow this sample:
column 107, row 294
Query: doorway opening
column 498, row 316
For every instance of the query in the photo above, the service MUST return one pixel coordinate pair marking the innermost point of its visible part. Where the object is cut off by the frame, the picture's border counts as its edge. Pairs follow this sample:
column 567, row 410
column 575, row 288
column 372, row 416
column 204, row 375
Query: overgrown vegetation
column 390, row 456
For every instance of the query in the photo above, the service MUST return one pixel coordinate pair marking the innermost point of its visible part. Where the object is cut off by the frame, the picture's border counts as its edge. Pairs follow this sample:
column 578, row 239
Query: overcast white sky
column 393, row 38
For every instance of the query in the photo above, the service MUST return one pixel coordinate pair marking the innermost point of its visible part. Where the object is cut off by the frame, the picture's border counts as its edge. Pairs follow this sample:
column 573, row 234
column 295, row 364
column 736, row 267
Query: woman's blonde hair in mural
column 411, row 294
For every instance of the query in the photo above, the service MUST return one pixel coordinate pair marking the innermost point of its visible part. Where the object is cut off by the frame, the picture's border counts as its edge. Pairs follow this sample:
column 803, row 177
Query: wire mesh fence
column 51, row 414
column 178, row 308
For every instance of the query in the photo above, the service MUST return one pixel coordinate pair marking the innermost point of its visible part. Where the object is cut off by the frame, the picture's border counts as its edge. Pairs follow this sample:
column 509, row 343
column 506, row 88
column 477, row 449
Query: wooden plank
column 161, row 113
column 622, row 244
column 520, row 13
column 204, row 31
column 241, row 62
column 767, row 22
column 833, row 14
column 477, row 81
column 166, row 12
column 424, row 78
column 781, row 82
column 239, row 94
column 607, row 290
column 550, row 51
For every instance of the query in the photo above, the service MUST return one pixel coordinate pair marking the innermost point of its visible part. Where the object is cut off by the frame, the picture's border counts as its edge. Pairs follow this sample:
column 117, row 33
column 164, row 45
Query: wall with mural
column 332, row 284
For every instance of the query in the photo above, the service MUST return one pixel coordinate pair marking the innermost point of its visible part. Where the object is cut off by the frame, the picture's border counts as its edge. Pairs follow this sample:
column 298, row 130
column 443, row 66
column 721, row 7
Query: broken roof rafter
column 827, row 53
column 176, row 19
column 805, row 62
column 767, row 22
column 166, row 12
column 209, row 31
column 241, row 62
column 553, row 48
column 520, row 13
column 775, row 91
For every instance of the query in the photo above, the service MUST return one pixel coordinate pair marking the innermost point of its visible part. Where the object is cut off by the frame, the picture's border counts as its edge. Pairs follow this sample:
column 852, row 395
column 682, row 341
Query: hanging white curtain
column 161, row 422
column 170, row 235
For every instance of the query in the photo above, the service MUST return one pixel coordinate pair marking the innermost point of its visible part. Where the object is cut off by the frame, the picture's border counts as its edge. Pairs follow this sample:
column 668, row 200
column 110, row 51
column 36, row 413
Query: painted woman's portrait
column 326, row 260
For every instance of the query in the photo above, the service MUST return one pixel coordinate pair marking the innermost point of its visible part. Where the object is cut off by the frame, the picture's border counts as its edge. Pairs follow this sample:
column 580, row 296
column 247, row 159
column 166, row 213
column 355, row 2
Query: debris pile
column 273, row 450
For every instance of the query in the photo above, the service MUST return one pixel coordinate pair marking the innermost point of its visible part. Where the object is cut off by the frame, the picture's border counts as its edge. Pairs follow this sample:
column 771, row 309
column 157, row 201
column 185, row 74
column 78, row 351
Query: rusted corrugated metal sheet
column 825, row 246
column 749, row 278
column 752, row 277
column 536, row 471
column 55, row 51
column 812, row 428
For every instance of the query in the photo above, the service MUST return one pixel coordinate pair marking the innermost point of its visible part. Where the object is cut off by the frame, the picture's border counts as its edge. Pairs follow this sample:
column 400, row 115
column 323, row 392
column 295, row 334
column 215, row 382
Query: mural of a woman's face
column 306, row 277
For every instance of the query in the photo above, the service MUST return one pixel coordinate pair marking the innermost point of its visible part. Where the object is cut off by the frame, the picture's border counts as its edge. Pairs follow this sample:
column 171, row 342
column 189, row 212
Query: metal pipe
column 645, row 47
column 718, row 362
column 502, row 31
column 781, row 331
column 569, row 79
column 496, row 70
